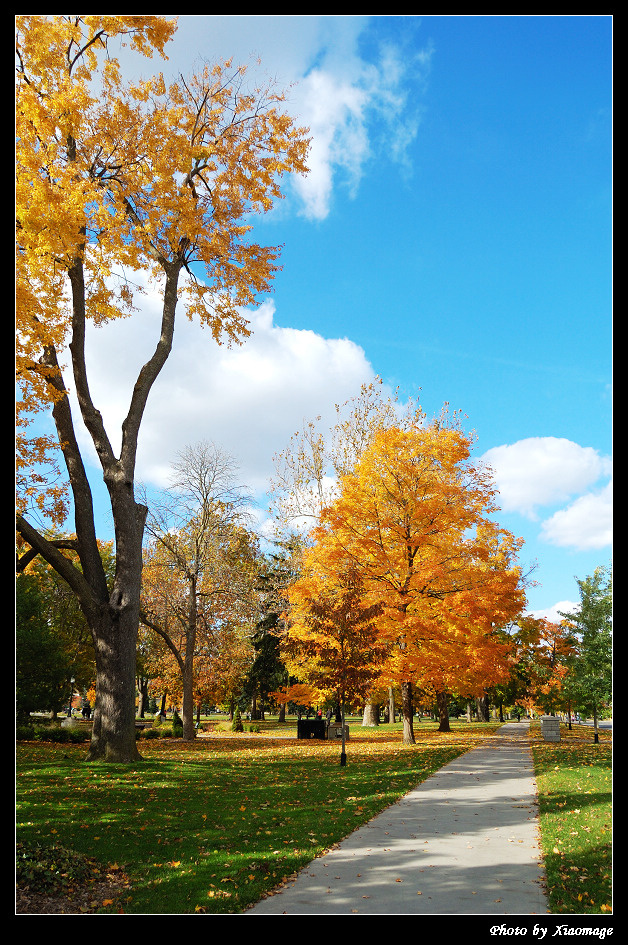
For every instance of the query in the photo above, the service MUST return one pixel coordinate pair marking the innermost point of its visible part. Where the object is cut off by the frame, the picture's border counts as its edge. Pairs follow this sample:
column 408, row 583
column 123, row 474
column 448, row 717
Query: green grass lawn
column 213, row 826
column 574, row 781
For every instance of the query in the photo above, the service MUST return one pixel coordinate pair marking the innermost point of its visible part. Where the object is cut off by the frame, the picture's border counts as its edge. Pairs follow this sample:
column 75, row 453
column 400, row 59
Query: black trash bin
column 311, row 728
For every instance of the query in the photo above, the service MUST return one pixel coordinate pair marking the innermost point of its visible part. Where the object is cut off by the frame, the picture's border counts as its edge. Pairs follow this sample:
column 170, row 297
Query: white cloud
column 542, row 471
column 247, row 399
column 586, row 524
column 538, row 472
column 352, row 106
column 335, row 114
column 555, row 612
column 354, row 110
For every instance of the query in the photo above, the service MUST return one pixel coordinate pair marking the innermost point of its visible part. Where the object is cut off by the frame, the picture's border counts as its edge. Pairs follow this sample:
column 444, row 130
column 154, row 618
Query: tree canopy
column 413, row 523
column 592, row 622
column 120, row 183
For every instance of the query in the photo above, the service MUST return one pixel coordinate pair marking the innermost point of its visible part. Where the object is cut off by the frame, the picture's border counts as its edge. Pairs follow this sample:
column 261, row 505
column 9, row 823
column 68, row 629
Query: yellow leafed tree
column 114, row 182
column 414, row 519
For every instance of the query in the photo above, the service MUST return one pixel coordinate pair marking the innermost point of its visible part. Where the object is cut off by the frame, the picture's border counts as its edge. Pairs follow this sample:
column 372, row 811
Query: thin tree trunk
column 596, row 736
column 343, row 751
column 407, row 710
column 187, row 709
column 142, row 688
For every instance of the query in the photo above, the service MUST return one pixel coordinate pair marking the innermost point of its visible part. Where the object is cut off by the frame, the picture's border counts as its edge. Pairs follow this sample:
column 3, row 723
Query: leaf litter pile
column 53, row 880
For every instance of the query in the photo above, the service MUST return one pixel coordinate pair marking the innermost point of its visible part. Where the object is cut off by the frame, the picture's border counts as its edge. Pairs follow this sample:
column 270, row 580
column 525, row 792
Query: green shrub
column 54, row 734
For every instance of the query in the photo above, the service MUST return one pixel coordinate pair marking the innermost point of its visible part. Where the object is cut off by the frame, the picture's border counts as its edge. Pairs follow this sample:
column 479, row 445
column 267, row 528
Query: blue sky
column 453, row 237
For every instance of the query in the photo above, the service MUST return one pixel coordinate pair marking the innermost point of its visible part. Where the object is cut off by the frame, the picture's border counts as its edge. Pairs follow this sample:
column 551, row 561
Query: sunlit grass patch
column 215, row 825
column 574, row 780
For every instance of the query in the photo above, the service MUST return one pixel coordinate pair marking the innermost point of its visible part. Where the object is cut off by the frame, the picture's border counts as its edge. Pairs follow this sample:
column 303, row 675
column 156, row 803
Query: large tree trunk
column 112, row 614
column 114, row 632
column 113, row 731
column 187, row 709
column 370, row 715
column 443, row 712
column 483, row 709
column 407, row 710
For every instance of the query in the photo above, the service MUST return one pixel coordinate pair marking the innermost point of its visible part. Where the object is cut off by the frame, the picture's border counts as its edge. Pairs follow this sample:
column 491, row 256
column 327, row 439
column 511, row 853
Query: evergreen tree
column 268, row 672
column 43, row 668
column 592, row 676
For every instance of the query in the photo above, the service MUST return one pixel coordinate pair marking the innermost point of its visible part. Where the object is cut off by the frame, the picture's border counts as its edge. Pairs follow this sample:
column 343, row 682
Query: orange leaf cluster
column 435, row 577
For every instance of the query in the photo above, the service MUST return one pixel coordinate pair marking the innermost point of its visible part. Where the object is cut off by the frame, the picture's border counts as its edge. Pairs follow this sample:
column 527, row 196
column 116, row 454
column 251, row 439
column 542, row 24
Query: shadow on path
column 465, row 841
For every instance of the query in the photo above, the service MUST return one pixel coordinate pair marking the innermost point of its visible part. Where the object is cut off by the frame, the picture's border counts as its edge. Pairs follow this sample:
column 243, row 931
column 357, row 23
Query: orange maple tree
column 331, row 638
column 549, row 649
column 414, row 520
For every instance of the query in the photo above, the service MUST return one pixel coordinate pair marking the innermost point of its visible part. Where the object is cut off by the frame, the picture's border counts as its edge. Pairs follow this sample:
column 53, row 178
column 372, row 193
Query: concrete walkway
column 464, row 842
